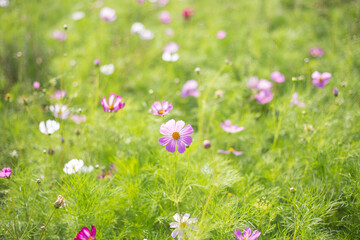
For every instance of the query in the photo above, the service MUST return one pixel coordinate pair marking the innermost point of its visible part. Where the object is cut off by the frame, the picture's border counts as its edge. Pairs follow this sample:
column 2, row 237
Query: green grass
column 150, row 183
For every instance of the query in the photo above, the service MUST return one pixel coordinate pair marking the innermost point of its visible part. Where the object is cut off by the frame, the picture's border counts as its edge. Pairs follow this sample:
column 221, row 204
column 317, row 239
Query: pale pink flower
column 227, row 127
column 114, row 104
column 231, row 150
column 36, row 85
column 277, row 77
column 108, row 14
column 161, row 109
column 78, row 118
column 165, row 17
column 221, row 34
column 177, row 136
column 264, row 96
column 59, row 35
column 190, row 88
column 320, row 79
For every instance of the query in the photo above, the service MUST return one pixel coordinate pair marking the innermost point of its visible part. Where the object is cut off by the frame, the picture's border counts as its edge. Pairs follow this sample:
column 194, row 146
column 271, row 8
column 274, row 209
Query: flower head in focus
column 86, row 234
column 247, row 234
column 161, row 109
column 49, row 127
column 227, row 127
column 182, row 225
column 190, row 88
column 114, row 103
column 73, row 166
column 177, row 136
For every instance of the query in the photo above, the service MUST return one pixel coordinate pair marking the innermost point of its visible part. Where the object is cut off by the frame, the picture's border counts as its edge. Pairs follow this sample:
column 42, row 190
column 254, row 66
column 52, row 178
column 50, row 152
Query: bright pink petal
column 165, row 140
column 170, row 147
column 117, row 101
column 93, row 231
column 166, row 129
column 187, row 130
column 111, row 98
column 181, row 146
column 186, row 139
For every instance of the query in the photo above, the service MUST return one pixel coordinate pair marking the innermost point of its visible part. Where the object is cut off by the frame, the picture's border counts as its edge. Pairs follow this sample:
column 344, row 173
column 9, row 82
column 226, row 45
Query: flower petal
column 170, row 147
column 185, row 217
column 187, row 130
column 177, row 217
column 175, row 233
column 111, row 98
column 186, row 139
column 179, row 125
column 165, row 140
column 181, row 147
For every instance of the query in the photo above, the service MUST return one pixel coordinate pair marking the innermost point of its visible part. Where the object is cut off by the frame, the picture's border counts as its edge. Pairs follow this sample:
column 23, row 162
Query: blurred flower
column 161, row 109
column 219, row 93
column 50, row 127
column 221, row 34
column 24, row 100
column 188, row 13
column 190, row 88
column 8, row 97
column 140, row 1
column 162, row 3
column 59, row 35
column 165, row 17
column 36, row 85
column 231, row 150
column 86, row 234
column 114, row 105
column 60, row 111
column 230, row 128
column 197, row 70
column 277, row 77
column 73, row 166
column 170, row 52
column 4, row 3
column 97, row 62
column 146, row 35
column 176, row 135
column 316, row 52
column 78, row 118
column 308, row 128
column 137, row 28
column 59, row 94
column 107, row 69
column 247, row 234
column 264, row 84
column 320, row 79
column 335, row 91
column 87, row 169
column 253, row 82
column 295, row 101
column 109, row 173
column 14, row 154
column 207, row 144
column 5, row 173
column 182, row 224
column 172, row 47
column 76, row 16
column 169, row 32
column 264, row 96
column 108, row 14
column 60, row 202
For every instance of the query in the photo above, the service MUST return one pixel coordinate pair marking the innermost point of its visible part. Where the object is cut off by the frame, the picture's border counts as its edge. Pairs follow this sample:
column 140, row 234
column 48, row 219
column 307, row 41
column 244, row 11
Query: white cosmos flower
column 73, row 166
column 107, row 69
column 146, row 35
column 50, row 127
column 60, row 111
column 182, row 224
column 4, row 3
column 170, row 57
column 76, row 16
column 87, row 169
column 137, row 28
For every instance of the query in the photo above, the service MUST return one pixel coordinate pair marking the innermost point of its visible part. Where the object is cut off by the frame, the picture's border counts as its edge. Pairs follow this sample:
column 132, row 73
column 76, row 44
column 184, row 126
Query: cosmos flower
column 146, row 34
column 320, row 79
column 247, row 234
column 161, row 109
column 170, row 52
column 4, row 3
column 5, row 173
column 60, row 202
column 76, row 16
column 137, row 28
column 107, row 69
column 230, row 128
column 277, row 77
column 78, row 118
column 172, row 47
column 182, row 225
column 36, row 85
column 165, row 17
column 188, row 13
column 190, row 88
column 221, row 34
column 73, row 166
column 108, row 14
column 316, row 52
column 264, row 96
column 109, row 173
column 87, row 169
column 59, row 94
column 50, row 127
column 60, row 111
column 231, row 150
column 264, row 84
column 114, row 105
column 59, row 35
column 86, row 234
column 253, row 82
column 176, row 135
column 295, row 100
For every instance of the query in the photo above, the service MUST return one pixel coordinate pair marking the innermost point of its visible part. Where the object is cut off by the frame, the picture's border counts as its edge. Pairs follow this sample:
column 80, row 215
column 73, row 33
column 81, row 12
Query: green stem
column 32, row 211
column 295, row 217
column 52, row 214
column 13, row 209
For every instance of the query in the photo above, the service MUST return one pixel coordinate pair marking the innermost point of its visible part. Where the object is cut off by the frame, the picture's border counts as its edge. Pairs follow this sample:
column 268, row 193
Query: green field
column 298, row 176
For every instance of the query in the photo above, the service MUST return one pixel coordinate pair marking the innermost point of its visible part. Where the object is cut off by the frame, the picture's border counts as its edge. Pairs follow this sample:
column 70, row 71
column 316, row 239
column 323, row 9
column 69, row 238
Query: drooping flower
column 320, row 79
column 247, row 234
column 58, row 94
column 78, row 118
column 137, row 28
column 230, row 128
column 221, row 34
column 182, row 225
column 295, row 100
column 232, row 151
column 114, row 104
column 277, row 77
column 188, row 13
column 264, row 96
column 59, row 35
column 107, row 69
column 73, row 166
column 109, row 173
column 86, row 234
column 177, row 136
column 5, row 173
column 60, row 202
column 190, row 88
column 316, row 52
column 108, row 14
column 161, row 109
column 76, row 16
column 36, row 85
column 60, row 111
column 165, row 17
column 50, row 127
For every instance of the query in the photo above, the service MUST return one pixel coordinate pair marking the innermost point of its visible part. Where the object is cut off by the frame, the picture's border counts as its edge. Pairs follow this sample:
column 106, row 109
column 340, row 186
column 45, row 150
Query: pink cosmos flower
column 277, row 77
column 36, row 85
column 162, row 3
column 78, row 118
column 188, row 13
column 295, row 100
column 86, row 234
column 316, row 52
column 108, row 14
column 232, row 151
column 247, row 234
column 165, row 17
column 176, row 135
column 114, row 105
column 264, row 96
column 107, row 174
column 172, row 47
column 264, row 84
column 161, row 109
column 59, row 94
column 190, row 89
column 221, row 34
column 5, row 173
column 320, row 79
column 182, row 225
column 253, row 82
column 59, row 35
column 230, row 128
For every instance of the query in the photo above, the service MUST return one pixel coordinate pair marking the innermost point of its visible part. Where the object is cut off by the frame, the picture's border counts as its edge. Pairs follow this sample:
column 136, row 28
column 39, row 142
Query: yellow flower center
column 111, row 107
column 90, row 238
column 176, row 135
column 229, row 194
column 245, row 238
column 74, row 168
column 161, row 112
column 183, row 225
column 320, row 79
column 231, row 149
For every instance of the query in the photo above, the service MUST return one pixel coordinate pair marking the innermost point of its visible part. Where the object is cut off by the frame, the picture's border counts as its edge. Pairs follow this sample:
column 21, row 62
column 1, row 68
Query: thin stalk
column 295, row 217
column 32, row 211
column 52, row 214
column 13, row 209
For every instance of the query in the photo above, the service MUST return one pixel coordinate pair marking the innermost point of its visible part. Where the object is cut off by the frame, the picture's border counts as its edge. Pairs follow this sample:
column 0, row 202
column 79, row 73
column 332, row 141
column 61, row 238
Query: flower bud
column 42, row 227
column 8, row 97
column 60, row 202
column 96, row 62
column 38, row 180
column 66, row 27
column 335, row 91
column 292, row 189
column 197, row 70
column 207, row 144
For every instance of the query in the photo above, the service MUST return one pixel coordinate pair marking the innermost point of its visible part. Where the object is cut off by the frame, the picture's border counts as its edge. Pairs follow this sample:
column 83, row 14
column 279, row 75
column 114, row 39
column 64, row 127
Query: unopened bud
column 292, row 189
column 96, row 62
column 335, row 91
column 66, row 27
column 207, row 144
column 8, row 97
column 197, row 70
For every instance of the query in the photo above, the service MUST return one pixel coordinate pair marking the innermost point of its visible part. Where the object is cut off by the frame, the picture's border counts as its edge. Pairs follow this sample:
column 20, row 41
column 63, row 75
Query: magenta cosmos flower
column 188, row 13
column 247, row 234
column 86, row 234
column 190, row 88
column 176, row 135
column 161, row 109
column 230, row 128
column 316, row 52
column 232, row 151
column 114, row 104
column 5, row 173
column 277, row 77
column 264, row 96
column 320, row 79
column 36, row 85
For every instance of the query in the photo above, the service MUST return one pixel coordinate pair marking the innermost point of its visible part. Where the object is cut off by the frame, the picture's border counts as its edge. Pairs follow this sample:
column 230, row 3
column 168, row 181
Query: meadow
column 162, row 119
